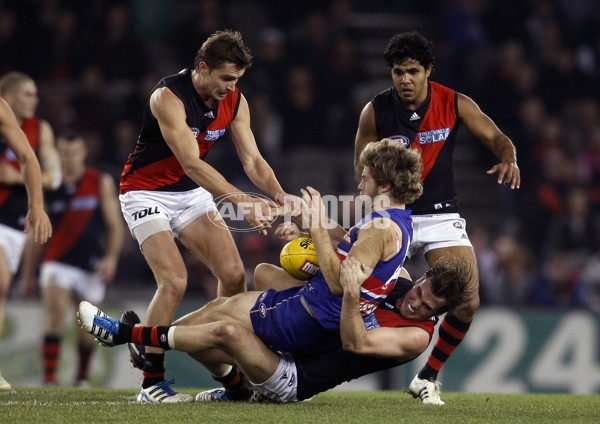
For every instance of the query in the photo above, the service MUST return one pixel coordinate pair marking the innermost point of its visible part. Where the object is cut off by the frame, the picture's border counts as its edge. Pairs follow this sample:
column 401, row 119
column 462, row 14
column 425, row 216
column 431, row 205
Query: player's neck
column 391, row 205
column 73, row 175
column 199, row 87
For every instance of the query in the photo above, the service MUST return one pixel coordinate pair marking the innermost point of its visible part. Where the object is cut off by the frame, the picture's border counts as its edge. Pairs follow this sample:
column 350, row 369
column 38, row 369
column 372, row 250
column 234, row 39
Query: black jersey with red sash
column 317, row 373
column 432, row 129
column 78, row 222
column 13, row 198
column 152, row 165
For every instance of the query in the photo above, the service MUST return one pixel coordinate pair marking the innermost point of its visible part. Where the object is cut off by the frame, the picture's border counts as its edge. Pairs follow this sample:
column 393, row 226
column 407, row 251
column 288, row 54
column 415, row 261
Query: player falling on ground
column 385, row 340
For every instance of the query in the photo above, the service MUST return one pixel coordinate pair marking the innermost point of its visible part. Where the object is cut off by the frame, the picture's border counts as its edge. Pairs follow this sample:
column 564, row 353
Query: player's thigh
column 234, row 309
column 163, row 257
column 5, row 275
column 464, row 312
column 209, row 238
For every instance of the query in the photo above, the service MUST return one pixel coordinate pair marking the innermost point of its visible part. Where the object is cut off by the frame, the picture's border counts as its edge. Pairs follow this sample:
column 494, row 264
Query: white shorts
column 85, row 284
column 437, row 231
column 12, row 242
column 283, row 384
column 165, row 210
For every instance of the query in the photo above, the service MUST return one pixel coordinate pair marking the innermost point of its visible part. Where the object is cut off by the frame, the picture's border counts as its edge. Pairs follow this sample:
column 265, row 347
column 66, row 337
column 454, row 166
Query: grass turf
column 72, row 405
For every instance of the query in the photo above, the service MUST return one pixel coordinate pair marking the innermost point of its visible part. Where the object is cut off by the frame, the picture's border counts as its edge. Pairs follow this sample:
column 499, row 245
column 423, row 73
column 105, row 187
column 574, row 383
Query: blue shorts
column 282, row 322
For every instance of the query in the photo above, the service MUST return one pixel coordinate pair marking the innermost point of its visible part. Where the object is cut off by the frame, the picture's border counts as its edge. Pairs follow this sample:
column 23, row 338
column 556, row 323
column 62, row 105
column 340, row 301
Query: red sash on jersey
column 440, row 115
column 387, row 318
column 74, row 222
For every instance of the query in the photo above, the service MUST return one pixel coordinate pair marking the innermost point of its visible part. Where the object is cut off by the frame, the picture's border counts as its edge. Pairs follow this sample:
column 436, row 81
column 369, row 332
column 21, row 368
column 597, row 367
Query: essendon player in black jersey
column 426, row 116
column 37, row 222
column 167, row 189
column 22, row 135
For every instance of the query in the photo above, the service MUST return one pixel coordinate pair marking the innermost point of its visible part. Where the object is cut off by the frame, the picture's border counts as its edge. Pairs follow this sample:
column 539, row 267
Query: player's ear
column 203, row 68
column 428, row 71
column 385, row 188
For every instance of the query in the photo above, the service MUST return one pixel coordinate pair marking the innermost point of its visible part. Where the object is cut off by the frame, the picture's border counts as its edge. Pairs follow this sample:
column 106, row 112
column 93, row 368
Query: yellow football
column 299, row 258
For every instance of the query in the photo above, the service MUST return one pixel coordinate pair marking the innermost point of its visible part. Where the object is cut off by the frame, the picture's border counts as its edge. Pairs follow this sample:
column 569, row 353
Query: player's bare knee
column 233, row 280
column 226, row 332
column 173, row 289
column 260, row 275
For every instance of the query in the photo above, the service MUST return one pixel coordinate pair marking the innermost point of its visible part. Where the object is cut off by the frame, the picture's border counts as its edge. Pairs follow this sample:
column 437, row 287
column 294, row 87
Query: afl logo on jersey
column 196, row 132
column 401, row 138
column 458, row 224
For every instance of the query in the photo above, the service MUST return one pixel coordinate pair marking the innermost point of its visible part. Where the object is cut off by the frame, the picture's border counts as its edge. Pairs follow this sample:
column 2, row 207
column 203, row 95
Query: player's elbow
column 352, row 346
column 415, row 344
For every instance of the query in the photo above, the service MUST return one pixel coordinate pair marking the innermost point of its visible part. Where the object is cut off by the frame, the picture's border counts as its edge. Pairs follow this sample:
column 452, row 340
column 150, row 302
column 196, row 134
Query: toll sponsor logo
column 433, row 136
column 145, row 212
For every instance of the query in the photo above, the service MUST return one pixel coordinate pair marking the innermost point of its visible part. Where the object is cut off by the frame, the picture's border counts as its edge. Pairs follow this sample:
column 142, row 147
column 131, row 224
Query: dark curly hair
column 224, row 47
column 409, row 45
column 450, row 279
column 390, row 161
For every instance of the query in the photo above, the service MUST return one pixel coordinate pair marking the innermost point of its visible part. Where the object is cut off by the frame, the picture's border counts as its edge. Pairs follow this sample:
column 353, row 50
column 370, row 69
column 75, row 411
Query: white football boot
column 428, row 391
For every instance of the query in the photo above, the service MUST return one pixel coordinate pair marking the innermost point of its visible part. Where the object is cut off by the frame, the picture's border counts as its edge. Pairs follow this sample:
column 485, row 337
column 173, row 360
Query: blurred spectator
column 591, row 280
column 304, row 111
column 575, row 231
column 10, row 49
column 558, row 283
column 89, row 101
column 487, row 262
column 270, row 65
column 267, row 127
column 516, row 269
column 195, row 21
column 118, row 51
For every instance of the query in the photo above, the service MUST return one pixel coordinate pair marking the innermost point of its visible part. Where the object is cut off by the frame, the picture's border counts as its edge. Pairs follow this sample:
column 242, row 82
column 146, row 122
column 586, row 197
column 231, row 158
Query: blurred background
column 533, row 66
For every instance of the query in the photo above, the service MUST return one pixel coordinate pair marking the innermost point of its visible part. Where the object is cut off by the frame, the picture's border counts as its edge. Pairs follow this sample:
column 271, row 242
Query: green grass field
column 70, row 405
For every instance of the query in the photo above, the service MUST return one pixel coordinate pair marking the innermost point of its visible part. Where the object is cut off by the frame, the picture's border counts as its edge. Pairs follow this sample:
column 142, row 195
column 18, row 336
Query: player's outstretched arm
column 490, row 135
